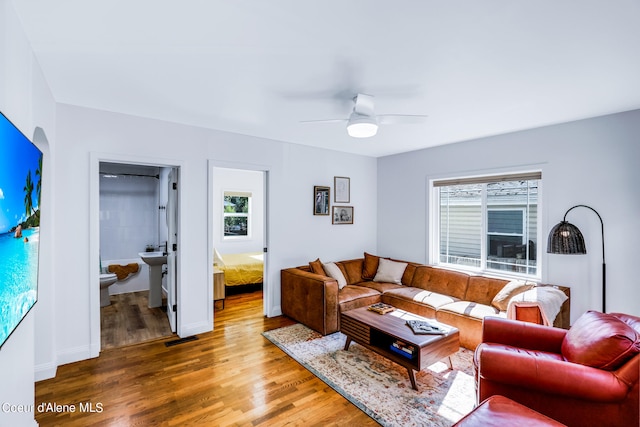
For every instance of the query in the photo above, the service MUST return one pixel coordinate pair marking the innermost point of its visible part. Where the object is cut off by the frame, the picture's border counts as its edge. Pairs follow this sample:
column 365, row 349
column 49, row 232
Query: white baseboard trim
column 45, row 371
column 75, row 355
column 276, row 311
column 95, row 350
column 194, row 329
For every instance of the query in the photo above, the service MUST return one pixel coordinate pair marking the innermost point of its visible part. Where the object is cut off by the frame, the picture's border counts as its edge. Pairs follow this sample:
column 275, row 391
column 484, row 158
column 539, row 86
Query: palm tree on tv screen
column 39, row 184
column 28, row 189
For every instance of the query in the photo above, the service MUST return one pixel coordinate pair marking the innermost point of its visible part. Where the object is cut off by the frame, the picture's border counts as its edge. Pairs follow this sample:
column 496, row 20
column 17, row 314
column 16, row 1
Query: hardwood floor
column 232, row 376
column 129, row 320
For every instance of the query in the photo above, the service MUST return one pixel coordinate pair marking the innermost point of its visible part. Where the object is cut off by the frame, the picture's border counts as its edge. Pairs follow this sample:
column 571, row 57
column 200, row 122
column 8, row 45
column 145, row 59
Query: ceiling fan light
column 362, row 127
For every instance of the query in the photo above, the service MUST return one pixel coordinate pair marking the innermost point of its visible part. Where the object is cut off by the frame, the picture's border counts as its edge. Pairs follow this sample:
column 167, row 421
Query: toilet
column 106, row 280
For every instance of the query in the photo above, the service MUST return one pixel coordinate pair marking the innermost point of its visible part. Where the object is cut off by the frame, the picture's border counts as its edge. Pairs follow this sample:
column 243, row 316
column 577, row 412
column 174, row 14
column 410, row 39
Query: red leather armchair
column 587, row 376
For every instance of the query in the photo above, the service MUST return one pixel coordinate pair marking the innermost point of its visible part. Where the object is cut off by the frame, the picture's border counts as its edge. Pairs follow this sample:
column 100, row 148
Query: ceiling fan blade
column 397, row 119
column 325, row 121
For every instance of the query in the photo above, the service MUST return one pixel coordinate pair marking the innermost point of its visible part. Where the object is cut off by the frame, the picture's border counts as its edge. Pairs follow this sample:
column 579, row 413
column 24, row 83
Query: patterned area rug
column 378, row 386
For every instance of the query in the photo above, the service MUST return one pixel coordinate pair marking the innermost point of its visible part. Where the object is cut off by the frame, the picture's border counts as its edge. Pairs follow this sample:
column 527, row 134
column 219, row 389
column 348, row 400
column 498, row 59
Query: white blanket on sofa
column 547, row 298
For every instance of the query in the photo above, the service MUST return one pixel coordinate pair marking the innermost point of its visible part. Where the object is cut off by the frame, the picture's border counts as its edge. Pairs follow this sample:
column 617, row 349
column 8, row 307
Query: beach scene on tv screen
column 20, row 194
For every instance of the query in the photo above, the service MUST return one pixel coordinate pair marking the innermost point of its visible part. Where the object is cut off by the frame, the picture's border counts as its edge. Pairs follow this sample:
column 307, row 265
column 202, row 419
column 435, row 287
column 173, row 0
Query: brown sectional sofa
column 454, row 298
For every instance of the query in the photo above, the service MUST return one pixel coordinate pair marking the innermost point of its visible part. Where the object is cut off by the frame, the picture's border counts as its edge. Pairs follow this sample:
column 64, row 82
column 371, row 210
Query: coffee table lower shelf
column 378, row 332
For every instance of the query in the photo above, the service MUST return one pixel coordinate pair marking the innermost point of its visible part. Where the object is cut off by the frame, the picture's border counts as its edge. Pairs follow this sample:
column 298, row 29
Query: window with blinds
column 488, row 223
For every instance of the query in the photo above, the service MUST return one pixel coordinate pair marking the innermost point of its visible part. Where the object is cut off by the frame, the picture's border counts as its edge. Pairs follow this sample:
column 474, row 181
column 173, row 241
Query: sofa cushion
column 511, row 289
column 352, row 270
column 332, row 270
column 390, row 271
column 353, row 296
column 483, row 289
column 470, row 309
column 370, row 266
column 632, row 321
column 407, row 276
column 316, row 267
column 441, row 281
column 381, row 287
column 601, row 341
column 417, row 295
column 467, row 317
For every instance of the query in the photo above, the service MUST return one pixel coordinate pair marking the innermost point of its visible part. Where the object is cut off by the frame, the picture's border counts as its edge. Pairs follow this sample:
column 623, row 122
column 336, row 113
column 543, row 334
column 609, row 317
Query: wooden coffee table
column 377, row 332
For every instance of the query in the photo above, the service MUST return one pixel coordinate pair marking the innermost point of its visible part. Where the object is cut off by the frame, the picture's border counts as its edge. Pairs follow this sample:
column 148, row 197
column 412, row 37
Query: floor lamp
column 566, row 238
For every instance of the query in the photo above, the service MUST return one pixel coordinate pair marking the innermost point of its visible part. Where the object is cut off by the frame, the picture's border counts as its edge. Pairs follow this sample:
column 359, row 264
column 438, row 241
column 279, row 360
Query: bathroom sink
column 153, row 258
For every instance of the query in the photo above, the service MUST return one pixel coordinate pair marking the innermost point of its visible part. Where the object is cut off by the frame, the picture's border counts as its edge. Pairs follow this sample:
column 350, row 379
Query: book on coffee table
column 424, row 327
column 381, row 308
column 404, row 349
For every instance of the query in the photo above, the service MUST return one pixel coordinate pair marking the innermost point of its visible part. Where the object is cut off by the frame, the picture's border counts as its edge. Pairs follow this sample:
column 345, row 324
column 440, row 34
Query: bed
column 240, row 269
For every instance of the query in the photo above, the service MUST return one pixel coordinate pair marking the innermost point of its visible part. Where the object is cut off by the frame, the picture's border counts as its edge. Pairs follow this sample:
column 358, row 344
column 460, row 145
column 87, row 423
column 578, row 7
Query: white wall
column 129, row 211
column 130, row 219
column 26, row 100
column 592, row 162
column 225, row 179
column 296, row 236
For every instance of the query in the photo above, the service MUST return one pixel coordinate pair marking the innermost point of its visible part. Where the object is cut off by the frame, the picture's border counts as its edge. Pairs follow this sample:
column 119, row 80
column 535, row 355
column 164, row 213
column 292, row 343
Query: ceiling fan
column 363, row 122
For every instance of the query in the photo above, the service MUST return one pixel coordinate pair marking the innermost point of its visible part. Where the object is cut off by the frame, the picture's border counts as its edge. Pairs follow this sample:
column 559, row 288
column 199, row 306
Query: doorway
column 238, row 224
column 134, row 212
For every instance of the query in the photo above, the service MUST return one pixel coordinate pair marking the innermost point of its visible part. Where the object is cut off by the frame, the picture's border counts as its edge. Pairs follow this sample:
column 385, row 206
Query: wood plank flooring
column 229, row 377
column 129, row 320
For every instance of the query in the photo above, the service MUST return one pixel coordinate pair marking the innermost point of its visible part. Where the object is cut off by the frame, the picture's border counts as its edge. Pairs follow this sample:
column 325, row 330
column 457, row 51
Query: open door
column 172, row 247
column 241, row 182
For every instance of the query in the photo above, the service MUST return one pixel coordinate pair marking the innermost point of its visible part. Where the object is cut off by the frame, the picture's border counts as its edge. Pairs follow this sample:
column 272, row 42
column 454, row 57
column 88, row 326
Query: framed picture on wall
column 342, row 215
column 341, row 189
column 321, row 200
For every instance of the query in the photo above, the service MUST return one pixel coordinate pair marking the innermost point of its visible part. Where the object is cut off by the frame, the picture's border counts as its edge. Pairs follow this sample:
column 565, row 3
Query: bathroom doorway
column 238, row 224
column 138, row 212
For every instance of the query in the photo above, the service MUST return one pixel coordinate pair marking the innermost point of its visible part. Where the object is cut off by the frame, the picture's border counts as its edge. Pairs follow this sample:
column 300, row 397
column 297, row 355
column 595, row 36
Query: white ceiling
column 256, row 67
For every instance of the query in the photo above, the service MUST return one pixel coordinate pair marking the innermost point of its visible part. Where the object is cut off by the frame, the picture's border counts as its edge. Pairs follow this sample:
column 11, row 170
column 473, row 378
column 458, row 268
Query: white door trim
column 94, row 233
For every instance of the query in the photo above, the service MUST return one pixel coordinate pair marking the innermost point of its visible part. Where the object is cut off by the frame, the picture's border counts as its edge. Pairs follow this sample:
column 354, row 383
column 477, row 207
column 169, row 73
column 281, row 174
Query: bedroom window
column 487, row 223
column 236, row 214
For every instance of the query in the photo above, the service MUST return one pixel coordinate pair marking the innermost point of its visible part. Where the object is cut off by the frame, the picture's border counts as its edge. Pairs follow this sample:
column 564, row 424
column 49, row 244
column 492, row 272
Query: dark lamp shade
column 566, row 238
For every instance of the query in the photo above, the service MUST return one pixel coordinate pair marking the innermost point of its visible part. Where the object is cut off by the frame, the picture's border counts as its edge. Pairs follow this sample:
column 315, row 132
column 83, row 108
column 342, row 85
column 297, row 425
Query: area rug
column 378, row 386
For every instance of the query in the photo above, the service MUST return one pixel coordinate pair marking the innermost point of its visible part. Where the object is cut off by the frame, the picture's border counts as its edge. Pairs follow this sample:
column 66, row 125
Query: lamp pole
column 604, row 267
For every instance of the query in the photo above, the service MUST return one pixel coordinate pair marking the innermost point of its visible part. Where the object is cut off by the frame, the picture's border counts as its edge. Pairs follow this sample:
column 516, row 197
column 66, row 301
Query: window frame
column 433, row 225
column 233, row 193
column 524, row 223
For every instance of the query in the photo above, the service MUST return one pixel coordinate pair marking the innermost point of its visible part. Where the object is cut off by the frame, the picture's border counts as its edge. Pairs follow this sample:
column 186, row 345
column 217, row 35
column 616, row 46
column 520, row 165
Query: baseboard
column 94, row 350
column 45, row 371
column 194, row 329
column 74, row 355
column 276, row 311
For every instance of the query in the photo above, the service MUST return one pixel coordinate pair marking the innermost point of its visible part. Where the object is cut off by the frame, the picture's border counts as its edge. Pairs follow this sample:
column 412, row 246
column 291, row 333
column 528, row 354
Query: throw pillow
column 333, row 271
column 511, row 289
column 370, row 266
column 316, row 267
column 390, row 271
column 601, row 341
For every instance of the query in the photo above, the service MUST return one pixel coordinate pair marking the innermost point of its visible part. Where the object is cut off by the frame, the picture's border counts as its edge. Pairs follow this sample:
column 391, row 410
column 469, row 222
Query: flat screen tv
column 20, row 187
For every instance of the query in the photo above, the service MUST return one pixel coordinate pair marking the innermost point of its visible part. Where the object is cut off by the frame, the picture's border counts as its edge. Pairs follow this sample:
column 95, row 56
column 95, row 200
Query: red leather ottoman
column 500, row 411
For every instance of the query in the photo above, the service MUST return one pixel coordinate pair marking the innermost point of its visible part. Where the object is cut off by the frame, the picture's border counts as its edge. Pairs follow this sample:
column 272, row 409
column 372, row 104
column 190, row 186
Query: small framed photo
column 341, row 189
column 342, row 215
column 321, row 200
